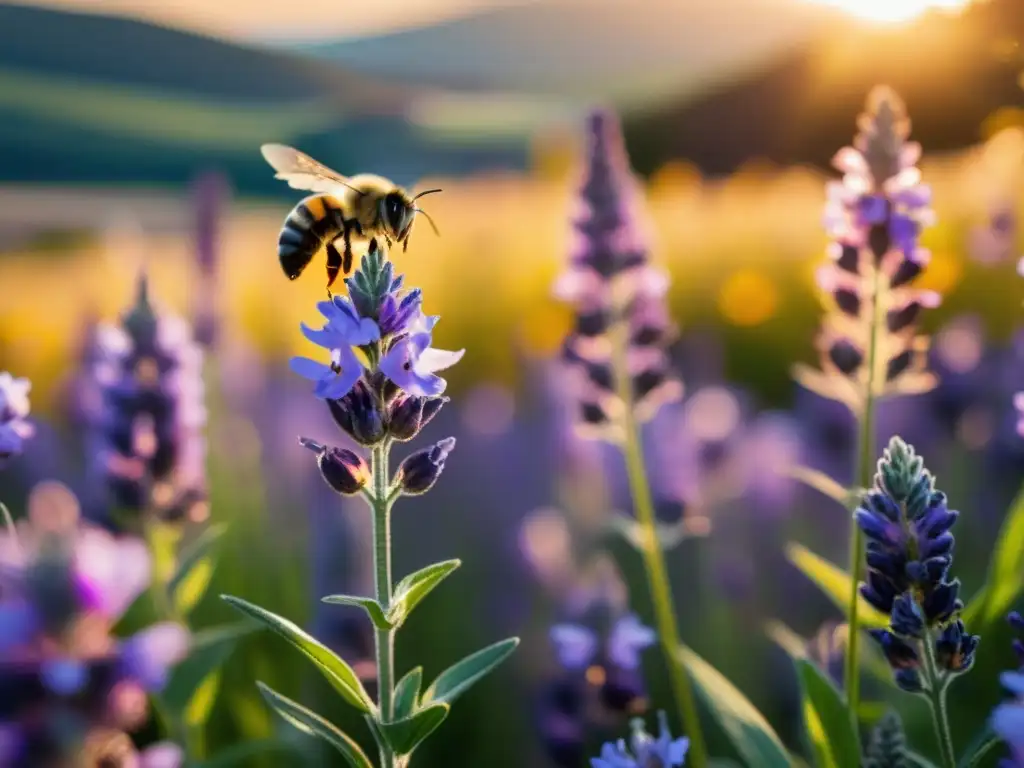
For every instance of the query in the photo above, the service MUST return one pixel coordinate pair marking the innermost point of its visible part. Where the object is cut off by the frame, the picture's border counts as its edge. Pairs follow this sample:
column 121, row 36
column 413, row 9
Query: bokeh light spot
column 943, row 272
column 748, row 297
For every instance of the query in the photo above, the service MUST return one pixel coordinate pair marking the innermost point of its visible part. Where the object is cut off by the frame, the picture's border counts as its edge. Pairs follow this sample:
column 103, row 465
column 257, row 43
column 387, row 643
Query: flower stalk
column 652, row 553
column 385, row 638
column 937, row 684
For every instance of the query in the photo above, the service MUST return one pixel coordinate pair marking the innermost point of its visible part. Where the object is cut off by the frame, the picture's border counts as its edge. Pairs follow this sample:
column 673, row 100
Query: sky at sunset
column 262, row 19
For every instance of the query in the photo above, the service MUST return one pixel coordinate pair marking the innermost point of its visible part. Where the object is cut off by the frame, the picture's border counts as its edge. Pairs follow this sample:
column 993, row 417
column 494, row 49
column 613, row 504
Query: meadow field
column 522, row 497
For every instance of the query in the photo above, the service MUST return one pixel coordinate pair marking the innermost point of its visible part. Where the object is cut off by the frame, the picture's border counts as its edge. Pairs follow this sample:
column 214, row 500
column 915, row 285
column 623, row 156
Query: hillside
column 86, row 98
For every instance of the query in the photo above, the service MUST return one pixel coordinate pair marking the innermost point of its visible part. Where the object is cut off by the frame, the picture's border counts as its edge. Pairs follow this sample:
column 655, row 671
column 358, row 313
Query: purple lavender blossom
column 875, row 216
column 343, row 331
column 613, row 289
column 64, row 673
column 153, row 451
column 907, row 523
column 210, row 196
column 647, row 751
column 14, row 408
column 1007, row 719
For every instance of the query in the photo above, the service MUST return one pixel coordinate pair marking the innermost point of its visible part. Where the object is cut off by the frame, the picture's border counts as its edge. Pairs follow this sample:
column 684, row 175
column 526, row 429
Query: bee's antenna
column 433, row 226
column 428, row 192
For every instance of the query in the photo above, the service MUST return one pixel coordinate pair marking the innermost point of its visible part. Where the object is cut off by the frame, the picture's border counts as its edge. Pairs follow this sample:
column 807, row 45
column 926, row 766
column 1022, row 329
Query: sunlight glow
column 893, row 11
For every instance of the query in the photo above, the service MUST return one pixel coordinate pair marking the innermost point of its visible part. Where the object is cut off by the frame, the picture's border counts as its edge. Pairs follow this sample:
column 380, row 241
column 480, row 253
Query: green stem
column 653, row 556
column 385, row 638
column 862, row 476
column 937, row 700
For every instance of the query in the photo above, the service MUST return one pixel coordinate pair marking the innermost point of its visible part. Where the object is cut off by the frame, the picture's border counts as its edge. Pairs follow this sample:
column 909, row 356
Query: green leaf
column 368, row 604
column 311, row 723
column 407, row 692
column 408, row 733
column 835, row 583
column 338, row 673
column 919, row 760
column 208, row 651
column 196, row 564
column 411, row 590
column 458, row 678
column 1003, row 584
column 197, row 712
column 824, row 484
column 749, row 732
column 828, row 719
column 981, row 747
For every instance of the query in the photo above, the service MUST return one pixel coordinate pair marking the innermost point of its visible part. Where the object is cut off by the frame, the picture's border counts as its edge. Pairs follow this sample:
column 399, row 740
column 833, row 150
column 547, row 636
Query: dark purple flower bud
column 410, row 414
column 849, row 259
column 358, row 414
column 898, row 652
column 420, row 471
column 897, row 320
column 907, row 270
column 907, row 619
column 899, row 364
column 955, row 648
column 345, row 471
column 845, row 356
column 848, row 301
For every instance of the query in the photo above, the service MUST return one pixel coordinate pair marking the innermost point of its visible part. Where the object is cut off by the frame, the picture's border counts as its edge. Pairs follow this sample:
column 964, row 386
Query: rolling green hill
column 87, row 98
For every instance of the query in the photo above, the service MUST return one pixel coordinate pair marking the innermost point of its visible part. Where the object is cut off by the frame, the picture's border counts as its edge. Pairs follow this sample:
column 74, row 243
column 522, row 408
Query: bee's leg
column 348, row 227
column 334, row 264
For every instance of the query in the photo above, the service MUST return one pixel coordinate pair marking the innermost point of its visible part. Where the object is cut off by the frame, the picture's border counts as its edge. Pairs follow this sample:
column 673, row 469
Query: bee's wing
column 300, row 170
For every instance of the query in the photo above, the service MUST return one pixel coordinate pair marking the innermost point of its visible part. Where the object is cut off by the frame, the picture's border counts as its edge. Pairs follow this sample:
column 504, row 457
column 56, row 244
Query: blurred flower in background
column 152, row 460
column 67, row 679
column 14, row 408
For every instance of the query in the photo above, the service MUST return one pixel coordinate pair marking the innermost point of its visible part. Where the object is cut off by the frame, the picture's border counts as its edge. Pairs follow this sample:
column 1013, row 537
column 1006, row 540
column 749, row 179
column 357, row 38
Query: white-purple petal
column 432, row 359
column 116, row 570
column 628, row 638
column 148, row 655
column 163, row 755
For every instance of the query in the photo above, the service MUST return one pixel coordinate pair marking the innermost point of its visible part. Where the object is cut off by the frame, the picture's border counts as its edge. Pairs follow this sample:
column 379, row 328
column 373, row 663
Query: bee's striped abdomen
column 312, row 223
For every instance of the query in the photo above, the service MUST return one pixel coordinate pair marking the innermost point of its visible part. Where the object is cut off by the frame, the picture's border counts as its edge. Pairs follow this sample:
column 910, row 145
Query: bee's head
column 397, row 213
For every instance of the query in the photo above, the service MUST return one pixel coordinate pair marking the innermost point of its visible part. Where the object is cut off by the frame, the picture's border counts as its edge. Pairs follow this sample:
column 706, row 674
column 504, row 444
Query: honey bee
column 350, row 208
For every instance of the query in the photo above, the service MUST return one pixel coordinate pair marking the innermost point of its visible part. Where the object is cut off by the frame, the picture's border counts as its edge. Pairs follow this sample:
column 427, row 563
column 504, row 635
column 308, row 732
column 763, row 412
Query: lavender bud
column 359, row 416
column 410, row 414
column 345, row 471
column 420, row 471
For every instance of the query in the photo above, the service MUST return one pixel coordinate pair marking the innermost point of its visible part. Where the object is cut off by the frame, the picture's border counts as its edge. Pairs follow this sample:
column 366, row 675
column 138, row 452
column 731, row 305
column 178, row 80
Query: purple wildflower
column 1007, row 719
column 65, row 586
column 343, row 331
column 907, row 523
column 14, row 408
column 153, row 451
column 412, row 364
column 875, row 216
column 647, row 751
column 614, row 290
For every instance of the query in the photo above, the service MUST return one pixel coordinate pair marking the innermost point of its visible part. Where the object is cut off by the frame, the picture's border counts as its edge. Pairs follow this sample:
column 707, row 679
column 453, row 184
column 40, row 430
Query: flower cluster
column 874, row 216
column 600, row 679
column 68, row 682
column 381, row 383
column 616, row 295
column 647, row 751
column 150, row 428
column 910, row 549
column 14, row 408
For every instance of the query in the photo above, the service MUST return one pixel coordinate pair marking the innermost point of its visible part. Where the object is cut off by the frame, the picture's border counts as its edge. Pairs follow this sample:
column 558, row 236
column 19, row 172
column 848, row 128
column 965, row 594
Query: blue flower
column 14, row 408
column 1007, row 719
column 411, row 363
column 647, row 751
column 343, row 330
column 577, row 645
column 910, row 549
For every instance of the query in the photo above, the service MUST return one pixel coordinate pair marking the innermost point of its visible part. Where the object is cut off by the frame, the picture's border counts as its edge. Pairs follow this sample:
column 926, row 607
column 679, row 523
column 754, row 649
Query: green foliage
column 460, row 677
column 407, row 692
column 828, row 719
column 1004, row 584
column 314, row 725
column 372, row 607
column 749, row 732
column 834, row 582
column 338, row 673
column 191, row 578
column 189, row 688
column 411, row 590
column 407, row 733
column 982, row 749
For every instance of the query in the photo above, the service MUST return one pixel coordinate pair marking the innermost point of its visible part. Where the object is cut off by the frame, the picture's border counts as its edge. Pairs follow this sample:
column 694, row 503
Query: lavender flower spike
column 869, row 344
column 647, row 751
column 14, row 408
